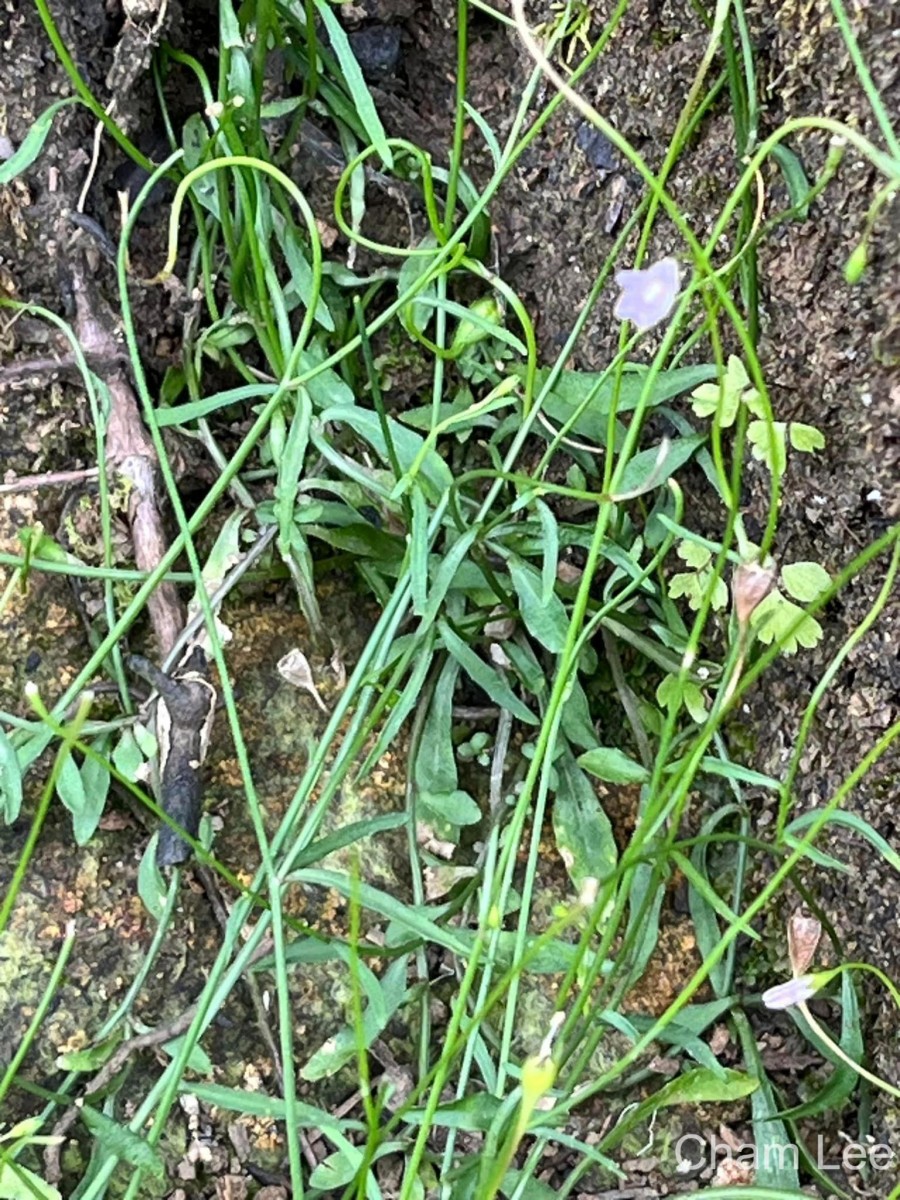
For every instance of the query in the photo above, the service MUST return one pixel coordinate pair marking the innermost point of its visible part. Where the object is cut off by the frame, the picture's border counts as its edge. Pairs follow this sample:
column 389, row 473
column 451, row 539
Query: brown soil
column 829, row 352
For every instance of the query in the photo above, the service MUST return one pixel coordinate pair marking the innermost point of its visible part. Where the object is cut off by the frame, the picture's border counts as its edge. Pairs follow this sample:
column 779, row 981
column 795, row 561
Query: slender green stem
column 865, row 78
column 459, row 123
column 83, row 90
column 827, row 678
column 40, row 1011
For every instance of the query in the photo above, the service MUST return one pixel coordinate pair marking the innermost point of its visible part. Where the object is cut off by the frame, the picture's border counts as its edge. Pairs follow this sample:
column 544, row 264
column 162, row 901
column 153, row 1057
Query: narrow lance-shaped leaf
column 70, row 788
column 291, row 469
column 34, row 141
column 444, row 576
column 409, row 917
column 123, row 1142
column 700, row 1086
column 340, row 1049
column 18, row 1183
column 151, row 885
column 418, row 550
column 435, row 765
column 362, row 97
column 10, row 781
column 550, row 533
column 776, row 1165
column 582, row 829
column 613, row 765
column 843, row 1081
column 487, row 677
column 95, row 781
column 441, row 803
column 651, row 468
column 545, row 621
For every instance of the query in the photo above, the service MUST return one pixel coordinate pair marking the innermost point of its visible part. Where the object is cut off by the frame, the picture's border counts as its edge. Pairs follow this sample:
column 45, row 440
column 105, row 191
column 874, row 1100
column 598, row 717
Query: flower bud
column 469, row 332
column 794, row 991
column 538, row 1074
column 797, row 991
column 856, row 264
column 750, row 585
column 804, row 933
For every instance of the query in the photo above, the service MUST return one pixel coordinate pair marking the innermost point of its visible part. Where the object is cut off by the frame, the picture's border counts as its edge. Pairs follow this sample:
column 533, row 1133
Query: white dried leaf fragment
column 295, row 668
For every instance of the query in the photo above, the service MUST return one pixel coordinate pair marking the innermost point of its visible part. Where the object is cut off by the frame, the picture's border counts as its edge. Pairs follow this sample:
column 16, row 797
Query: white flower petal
column 648, row 296
column 794, row 991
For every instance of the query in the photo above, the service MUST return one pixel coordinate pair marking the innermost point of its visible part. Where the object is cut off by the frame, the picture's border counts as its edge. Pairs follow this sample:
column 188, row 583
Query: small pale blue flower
column 648, row 296
column 794, row 991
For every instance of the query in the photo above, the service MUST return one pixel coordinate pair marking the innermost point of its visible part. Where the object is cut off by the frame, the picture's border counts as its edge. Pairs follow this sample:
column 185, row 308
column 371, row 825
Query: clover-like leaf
column 805, row 581
column 687, row 584
column 705, row 403
column 769, row 447
column 754, row 402
column 692, row 586
column 806, row 438
column 736, row 377
column 694, row 555
column 669, row 692
column 778, row 619
column 731, row 392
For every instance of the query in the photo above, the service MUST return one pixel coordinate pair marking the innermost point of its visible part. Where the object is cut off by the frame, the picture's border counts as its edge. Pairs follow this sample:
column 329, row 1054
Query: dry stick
column 131, row 456
column 143, row 1041
column 31, row 483
column 162, row 1033
column 26, row 368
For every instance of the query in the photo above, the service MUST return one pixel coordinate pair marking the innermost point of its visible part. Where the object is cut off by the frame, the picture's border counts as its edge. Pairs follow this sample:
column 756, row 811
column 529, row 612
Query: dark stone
column 596, row 147
column 377, row 50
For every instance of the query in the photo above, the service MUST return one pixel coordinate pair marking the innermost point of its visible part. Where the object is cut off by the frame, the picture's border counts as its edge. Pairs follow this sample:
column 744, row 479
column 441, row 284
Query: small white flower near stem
column 795, row 991
column 648, row 296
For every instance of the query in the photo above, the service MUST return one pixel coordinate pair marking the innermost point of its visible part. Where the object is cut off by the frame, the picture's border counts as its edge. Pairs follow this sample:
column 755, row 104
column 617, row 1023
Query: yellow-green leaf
column 806, row 438
column 769, row 448
column 694, row 555
column 805, row 581
column 778, row 619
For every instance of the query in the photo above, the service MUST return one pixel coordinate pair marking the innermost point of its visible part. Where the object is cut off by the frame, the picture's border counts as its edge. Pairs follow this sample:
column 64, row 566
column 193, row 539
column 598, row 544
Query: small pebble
column 377, row 50
column 596, row 147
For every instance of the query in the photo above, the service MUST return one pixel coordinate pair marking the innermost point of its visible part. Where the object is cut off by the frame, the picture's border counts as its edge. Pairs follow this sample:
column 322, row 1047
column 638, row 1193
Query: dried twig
column 131, row 456
column 144, row 1041
column 31, row 483
column 27, row 368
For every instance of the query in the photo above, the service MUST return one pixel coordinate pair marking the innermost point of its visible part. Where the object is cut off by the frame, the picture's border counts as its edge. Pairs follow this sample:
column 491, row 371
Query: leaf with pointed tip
column 10, row 780
column 33, row 142
column 546, row 621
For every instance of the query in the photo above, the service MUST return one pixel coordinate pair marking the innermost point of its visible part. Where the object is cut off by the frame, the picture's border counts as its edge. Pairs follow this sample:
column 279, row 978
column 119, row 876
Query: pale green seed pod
column 856, row 264
column 470, row 332
column 277, row 435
